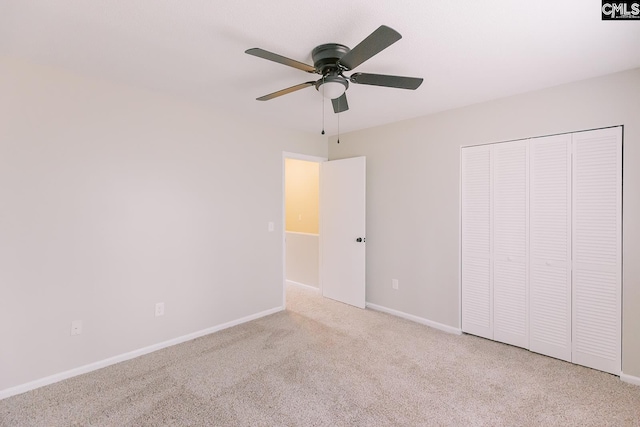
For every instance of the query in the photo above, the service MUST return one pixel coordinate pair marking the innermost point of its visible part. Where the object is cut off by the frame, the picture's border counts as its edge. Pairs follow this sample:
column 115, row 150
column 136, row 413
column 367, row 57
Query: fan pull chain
column 338, row 121
column 322, row 133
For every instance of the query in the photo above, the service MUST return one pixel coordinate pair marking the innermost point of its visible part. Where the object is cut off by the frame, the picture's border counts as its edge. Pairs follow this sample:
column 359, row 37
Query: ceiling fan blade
column 387, row 81
column 340, row 104
column 377, row 41
column 261, row 53
column 285, row 91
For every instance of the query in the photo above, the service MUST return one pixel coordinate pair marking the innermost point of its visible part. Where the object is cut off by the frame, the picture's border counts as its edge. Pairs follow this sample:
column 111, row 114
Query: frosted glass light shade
column 332, row 90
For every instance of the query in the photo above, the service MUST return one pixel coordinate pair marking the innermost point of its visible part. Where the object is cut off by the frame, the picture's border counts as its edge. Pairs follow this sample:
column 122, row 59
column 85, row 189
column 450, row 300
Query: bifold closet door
column 510, row 246
column 597, row 248
column 477, row 316
column 541, row 224
column 550, row 246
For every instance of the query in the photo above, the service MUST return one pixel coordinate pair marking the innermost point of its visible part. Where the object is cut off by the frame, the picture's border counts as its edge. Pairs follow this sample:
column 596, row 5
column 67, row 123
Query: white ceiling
column 468, row 51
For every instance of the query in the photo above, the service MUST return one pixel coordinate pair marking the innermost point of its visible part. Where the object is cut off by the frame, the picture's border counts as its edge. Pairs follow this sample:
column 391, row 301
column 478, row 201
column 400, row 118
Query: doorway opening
column 301, row 218
column 340, row 257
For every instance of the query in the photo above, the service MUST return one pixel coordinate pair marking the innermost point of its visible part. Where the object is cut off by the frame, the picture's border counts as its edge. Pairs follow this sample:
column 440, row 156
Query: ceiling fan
column 331, row 60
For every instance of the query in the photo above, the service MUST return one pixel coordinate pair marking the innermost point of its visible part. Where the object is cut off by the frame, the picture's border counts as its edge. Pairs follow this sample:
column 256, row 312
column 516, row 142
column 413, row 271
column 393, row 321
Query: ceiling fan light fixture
column 332, row 87
column 330, row 60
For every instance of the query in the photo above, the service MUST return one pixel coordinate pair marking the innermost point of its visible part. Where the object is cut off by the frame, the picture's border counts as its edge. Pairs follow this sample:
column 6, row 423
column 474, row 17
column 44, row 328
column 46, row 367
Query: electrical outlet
column 160, row 309
column 394, row 284
column 76, row 327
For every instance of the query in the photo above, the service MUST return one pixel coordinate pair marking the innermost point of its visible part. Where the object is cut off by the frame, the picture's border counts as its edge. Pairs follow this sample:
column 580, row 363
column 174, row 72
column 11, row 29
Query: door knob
column 361, row 239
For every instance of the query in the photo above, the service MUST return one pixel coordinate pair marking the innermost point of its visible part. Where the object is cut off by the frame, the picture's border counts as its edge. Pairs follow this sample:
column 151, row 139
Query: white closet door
column 597, row 204
column 510, row 246
column 550, row 246
column 476, row 241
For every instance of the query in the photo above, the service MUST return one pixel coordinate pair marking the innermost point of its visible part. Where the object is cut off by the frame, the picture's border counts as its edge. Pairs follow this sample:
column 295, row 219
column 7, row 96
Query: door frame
column 307, row 158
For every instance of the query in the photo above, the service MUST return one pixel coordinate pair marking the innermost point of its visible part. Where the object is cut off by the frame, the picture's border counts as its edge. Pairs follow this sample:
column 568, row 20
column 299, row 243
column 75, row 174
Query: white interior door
column 342, row 230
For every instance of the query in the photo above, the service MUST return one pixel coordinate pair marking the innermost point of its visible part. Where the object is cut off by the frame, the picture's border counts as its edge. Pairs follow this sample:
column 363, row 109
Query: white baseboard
column 421, row 320
column 314, row 288
column 630, row 379
column 130, row 355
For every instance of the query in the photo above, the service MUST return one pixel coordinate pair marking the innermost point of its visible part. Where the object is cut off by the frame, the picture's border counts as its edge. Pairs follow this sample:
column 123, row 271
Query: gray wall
column 413, row 178
column 303, row 258
column 113, row 199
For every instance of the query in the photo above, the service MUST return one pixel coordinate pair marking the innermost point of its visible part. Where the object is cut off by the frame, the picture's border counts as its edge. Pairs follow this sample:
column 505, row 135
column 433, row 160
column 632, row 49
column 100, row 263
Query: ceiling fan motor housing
column 326, row 57
column 325, row 60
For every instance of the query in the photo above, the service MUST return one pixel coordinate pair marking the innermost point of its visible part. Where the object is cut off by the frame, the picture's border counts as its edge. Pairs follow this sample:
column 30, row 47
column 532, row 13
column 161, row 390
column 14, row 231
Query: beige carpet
column 322, row 363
